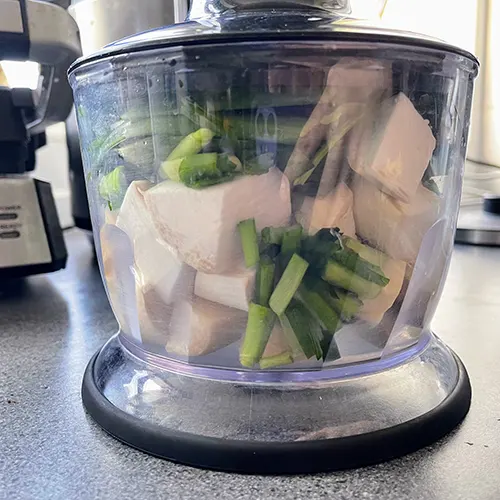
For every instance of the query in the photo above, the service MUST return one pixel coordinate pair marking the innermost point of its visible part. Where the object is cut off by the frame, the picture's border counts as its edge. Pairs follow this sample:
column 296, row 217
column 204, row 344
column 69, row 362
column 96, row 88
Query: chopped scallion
column 319, row 308
column 291, row 240
column 346, row 279
column 284, row 358
column 259, row 326
column 249, row 241
column 264, row 281
column 191, row 144
column 288, row 284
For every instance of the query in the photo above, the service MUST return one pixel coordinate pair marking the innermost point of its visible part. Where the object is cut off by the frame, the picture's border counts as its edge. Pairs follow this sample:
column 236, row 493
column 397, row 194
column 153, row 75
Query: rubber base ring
column 301, row 457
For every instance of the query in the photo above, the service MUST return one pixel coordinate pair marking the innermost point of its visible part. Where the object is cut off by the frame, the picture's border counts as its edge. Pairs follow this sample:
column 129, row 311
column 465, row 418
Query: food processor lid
column 233, row 21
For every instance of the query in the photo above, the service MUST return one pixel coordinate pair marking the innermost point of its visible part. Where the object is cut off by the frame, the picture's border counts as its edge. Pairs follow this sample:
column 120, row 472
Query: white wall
column 453, row 21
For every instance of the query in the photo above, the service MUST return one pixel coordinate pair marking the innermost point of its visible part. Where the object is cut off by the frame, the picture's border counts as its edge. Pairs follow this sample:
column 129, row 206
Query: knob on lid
column 357, row 9
column 212, row 8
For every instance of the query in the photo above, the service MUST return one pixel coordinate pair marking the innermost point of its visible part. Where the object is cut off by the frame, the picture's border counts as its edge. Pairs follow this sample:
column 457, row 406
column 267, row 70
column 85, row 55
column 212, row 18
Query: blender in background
column 31, row 240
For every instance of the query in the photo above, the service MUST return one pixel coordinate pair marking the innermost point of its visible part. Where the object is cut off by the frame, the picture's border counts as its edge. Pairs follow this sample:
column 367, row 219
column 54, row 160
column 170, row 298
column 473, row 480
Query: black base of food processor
column 278, row 457
column 479, row 226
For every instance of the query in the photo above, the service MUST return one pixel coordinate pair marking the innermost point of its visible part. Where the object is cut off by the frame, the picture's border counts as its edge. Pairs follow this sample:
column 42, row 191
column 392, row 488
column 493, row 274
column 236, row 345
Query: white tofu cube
column 392, row 226
column 352, row 85
column 117, row 267
column 131, row 216
column 199, row 327
column 233, row 289
column 154, row 316
column 201, row 225
column 355, row 80
column 157, row 265
column 333, row 210
column 392, row 147
column 373, row 310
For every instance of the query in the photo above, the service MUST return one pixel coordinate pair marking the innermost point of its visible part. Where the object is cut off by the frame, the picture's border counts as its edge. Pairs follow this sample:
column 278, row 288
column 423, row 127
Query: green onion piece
column 318, row 340
column 191, row 144
column 288, row 284
column 303, row 178
column 318, row 158
column 319, row 308
column 291, row 240
column 364, row 269
column 370, row 254
column 100, row 146
column 264, row 281
column 259, row 326
column 271, row 251
column 317, row 335
column 249, row 241
column 198, row 167
column 344, row 278
column 340, row 132
column 318, row 249
column 169, row 169
column 212, row 181
column 297, row 324
column 112, row 186
column 227, row 163
column 284, row 358
column 290, row 336
column 330, row 348
column 346, row 304
column 272, row 235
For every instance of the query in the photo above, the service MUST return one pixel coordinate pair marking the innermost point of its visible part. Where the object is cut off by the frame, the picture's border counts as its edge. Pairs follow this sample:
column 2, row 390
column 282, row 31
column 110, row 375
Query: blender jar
column 274, row 193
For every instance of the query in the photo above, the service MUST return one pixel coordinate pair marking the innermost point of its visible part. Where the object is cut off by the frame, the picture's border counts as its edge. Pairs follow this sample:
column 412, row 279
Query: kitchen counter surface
column 49, row 448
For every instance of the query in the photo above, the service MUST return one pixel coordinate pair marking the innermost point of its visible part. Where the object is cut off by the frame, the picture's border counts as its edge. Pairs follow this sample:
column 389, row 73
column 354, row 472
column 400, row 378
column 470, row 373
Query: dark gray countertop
column 51, row 325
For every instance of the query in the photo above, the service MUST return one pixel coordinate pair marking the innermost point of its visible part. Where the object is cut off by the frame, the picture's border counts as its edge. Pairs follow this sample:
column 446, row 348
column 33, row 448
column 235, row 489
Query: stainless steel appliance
column 30, row 235
column 104, row 21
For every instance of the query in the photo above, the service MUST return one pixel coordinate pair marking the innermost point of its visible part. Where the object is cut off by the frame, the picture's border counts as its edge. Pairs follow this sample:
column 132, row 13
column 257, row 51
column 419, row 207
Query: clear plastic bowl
column 354, row 161
column 276, row 213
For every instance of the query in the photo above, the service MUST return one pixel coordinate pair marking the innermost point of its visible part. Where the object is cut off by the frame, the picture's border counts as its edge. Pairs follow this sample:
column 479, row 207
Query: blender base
column 266, row 429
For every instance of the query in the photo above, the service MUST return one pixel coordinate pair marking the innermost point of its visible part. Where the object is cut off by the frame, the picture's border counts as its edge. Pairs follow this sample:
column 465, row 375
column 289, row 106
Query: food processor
column 274, row 189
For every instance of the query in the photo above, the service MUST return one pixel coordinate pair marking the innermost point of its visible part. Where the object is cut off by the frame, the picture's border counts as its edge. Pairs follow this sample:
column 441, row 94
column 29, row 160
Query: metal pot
column 104, row 21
